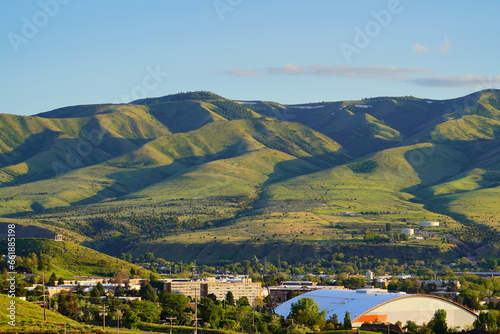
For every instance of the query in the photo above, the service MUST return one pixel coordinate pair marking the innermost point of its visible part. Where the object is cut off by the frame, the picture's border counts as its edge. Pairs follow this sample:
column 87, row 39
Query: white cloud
column 240, row 72
column 446, row 47
column 419, row 48
column 466, row 80
column 387, row 72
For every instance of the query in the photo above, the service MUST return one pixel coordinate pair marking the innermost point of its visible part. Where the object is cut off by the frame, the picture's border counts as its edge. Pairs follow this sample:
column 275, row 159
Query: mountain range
column 193, row 175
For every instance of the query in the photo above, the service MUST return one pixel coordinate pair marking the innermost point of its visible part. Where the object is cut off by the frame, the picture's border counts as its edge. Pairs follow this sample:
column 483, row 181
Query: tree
column 174, row 305
column 306, row 312
column 486, row 322
column 133, row 319
column 97, row 291
column 411, row 326
column 298, row 329
column 469, row 299
column 438, row 322
column 146, row 310
column 60, row 281
column 354, row 282
column 148, row 257
column 212, row 296
column 230, row 298
column 347, row 321
column 79, row 289
column 126, row 257
column 147, row 292
column 52, row 279
column 210, row 312
column 243, row 301
column 119, row 291
column 334, row 320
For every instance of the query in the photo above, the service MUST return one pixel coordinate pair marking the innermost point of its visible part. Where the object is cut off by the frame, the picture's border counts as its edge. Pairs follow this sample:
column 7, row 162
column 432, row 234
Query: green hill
column 29, row 318
column 196, row 168
column 68, row 259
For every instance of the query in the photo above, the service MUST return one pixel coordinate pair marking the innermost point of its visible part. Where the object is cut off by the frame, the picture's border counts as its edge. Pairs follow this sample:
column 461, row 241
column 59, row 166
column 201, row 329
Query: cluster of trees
column 156, row 305
column 183, row 96
column 305, row 315
column 231, row 110
column 238, row 315
column 228, row 313
column 363, row 167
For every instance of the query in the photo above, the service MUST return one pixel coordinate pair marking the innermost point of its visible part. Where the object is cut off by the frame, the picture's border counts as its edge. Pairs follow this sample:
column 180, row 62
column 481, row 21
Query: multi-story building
column 218, row 287
column 252, row 291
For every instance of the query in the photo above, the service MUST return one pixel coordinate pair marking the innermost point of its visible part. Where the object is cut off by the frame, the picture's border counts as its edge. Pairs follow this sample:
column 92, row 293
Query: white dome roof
column 379, row 305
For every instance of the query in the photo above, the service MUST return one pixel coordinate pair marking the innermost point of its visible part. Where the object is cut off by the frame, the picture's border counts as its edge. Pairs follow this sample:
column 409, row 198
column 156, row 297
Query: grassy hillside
column 29, row 318
column 68, row 259
column 196, row 167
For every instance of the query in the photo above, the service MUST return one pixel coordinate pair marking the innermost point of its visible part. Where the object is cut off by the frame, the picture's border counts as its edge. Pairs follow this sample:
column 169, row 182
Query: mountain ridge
column 199, row 164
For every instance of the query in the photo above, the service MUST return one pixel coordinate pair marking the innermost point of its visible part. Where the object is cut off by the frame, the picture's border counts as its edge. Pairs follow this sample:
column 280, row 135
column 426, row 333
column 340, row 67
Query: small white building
column 369, row 275
column 408, row 231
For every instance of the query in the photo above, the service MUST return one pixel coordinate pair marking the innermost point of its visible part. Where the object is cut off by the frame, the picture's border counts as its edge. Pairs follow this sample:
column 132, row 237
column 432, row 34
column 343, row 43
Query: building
column 377, row 305
column 480, row 273
column 289, row 289
column 219, row 288
column 189, row 288
column 53, row 291
column 429, row 224
column 250, row 290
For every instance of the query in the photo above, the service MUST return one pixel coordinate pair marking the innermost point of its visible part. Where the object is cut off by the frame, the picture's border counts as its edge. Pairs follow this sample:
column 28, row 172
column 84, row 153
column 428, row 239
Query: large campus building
column 371, row 305
column 202, row 288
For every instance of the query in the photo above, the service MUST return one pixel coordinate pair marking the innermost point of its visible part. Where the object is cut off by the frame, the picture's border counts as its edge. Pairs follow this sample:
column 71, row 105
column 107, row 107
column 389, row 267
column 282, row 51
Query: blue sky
column 55, row 53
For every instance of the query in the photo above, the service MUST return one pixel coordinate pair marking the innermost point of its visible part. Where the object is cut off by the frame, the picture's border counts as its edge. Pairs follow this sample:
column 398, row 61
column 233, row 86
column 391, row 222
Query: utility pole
column 170, row 318
column 253, row 319
column 43, row 293
column 195, row 312
column 118, row 315
column 103, row 313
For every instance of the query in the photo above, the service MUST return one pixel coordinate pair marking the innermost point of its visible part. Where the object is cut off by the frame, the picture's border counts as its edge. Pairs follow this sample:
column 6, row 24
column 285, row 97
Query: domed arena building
column 370, row 305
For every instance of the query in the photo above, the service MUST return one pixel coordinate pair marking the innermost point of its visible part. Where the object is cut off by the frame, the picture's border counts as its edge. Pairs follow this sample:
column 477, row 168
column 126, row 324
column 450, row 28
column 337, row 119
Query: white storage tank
column 408, row 231
column 429, row 223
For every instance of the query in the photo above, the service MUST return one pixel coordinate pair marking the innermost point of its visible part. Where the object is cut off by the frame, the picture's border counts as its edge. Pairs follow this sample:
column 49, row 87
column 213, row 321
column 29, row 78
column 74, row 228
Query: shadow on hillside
column 26, row 231
column 31, row 146
column 49, row 154
column 217, row 252
column 442, row 205
column 429, row 162
column 286, row 170
column 131, row 181
column 177, row 119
